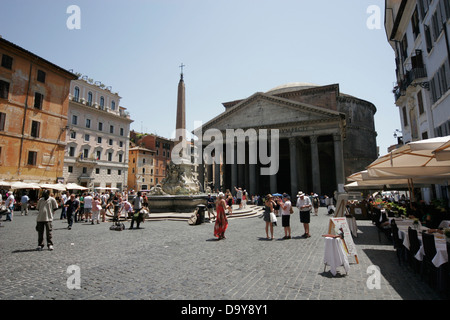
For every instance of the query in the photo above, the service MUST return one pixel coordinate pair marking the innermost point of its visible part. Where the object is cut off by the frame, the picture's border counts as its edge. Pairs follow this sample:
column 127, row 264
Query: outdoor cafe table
column 441, row 256
column 334, row 255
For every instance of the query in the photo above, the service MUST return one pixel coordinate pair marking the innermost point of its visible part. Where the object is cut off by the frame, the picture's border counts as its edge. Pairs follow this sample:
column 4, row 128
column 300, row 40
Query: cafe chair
column 428, row 267
column 414, row 246
column 382, row 228
column 398, row 243
column 447, row 270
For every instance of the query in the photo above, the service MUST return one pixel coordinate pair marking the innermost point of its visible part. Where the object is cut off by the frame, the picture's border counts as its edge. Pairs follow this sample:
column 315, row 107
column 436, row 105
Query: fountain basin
column 175, row 203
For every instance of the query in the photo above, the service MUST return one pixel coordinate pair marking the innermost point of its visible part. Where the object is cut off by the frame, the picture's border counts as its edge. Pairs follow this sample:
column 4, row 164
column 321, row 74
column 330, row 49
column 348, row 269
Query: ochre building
column 34, row 99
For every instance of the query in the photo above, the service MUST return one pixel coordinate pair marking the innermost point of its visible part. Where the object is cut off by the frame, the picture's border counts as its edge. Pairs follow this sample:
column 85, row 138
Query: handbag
column 273, row 217
column 291, row 210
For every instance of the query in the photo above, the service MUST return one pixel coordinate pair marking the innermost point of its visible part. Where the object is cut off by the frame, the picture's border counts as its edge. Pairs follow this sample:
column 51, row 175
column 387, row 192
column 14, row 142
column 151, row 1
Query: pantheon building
column 324, row 136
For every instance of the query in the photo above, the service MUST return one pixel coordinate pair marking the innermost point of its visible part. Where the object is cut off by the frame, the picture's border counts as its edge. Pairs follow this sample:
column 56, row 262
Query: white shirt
column 305, row 202
column 285, row 212
column 9, row 201
column 64, row 198
column 88, row 202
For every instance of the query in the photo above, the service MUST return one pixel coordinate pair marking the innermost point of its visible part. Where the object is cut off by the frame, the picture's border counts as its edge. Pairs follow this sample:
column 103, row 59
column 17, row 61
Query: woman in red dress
column 221, row 218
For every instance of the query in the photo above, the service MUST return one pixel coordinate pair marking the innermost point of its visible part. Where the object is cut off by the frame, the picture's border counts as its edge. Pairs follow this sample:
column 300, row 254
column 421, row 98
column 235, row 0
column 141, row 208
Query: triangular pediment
column 263, row 110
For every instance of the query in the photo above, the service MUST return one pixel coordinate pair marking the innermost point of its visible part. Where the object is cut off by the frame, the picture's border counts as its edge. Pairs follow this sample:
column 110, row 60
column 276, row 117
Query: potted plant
column 447, row 234
column 416, row 224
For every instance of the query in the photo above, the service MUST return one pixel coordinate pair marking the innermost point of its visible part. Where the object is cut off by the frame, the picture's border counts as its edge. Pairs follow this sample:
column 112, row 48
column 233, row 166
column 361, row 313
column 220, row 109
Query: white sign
column 336, row 224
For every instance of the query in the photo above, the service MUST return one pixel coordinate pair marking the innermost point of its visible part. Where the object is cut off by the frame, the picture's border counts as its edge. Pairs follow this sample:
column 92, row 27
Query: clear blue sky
column 231, row 49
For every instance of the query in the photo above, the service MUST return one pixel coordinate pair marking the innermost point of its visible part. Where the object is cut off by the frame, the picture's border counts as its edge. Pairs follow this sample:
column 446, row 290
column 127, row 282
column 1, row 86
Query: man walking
column 72, row 205
column 9, row 203
column 63, row 208
column 24, row 204
column 46, row 206
column 88, row 200
column 304, row 205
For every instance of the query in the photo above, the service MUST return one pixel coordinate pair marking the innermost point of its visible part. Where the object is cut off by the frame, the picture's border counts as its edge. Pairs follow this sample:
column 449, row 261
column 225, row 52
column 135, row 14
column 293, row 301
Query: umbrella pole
column 411, row 191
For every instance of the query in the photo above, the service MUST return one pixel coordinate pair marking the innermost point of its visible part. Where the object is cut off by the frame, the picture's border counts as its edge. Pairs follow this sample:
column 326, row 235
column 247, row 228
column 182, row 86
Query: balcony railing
column 415, row 74
column 90, row 161
column 412, row 78
column 121, row 113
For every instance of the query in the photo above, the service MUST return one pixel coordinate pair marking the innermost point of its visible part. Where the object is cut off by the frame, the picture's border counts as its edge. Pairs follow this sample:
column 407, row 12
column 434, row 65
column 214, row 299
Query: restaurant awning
column 53, row 186
column 74, row 186
column 412, row 165
column 413, row 160
column 23, row 185
column 443, row 152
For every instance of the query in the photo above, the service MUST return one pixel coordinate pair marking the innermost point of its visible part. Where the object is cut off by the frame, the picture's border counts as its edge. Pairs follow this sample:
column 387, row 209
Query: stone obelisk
column 181, row 107
column 179, row 178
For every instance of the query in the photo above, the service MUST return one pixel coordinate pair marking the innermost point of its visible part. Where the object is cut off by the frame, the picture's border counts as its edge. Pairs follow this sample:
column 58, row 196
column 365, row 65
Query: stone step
column 250, row 211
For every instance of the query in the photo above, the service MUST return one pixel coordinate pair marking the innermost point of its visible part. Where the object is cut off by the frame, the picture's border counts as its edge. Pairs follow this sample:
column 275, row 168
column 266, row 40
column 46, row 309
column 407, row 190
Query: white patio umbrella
column 443, row 152
column 54, row 186
column 23, row 185
column 74, row 186
column 413, row 160
column 5, row 183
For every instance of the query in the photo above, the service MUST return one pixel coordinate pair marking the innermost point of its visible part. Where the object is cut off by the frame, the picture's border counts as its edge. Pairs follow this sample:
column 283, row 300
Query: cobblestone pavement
column 168, row 260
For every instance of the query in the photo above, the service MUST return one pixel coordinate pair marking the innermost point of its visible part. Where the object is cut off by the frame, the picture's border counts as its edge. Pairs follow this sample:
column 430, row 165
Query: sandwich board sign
column 339, row 225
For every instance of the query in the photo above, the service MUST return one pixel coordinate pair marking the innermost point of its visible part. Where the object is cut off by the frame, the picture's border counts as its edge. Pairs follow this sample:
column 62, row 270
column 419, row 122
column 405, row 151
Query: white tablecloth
column 441, row 256
column 334, row 255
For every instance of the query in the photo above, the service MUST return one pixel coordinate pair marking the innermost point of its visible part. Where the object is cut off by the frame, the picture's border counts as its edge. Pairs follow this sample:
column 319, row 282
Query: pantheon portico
column 323, row 136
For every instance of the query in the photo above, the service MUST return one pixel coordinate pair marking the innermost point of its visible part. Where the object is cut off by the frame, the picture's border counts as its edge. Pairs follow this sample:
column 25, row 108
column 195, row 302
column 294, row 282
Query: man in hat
column 304, row 206
column 9, row 203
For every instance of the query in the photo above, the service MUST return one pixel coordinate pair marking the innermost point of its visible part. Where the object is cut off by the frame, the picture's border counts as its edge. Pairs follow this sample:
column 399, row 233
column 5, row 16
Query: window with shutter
column 4, row 89
column 35, row 126
column 38, row 99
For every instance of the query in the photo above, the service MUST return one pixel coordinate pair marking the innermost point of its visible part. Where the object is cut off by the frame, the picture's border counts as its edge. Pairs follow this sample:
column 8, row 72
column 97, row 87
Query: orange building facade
column 34, row 100
column 141, row 172
column 163, row 148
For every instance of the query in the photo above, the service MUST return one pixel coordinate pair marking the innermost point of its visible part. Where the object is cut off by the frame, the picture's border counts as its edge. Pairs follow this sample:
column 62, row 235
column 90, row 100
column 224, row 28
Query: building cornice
column 277, row 100
column 100, row 111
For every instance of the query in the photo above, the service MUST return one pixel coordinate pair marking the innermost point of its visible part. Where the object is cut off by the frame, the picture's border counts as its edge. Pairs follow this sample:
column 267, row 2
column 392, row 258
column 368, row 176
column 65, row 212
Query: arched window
column 102, row 103
column 113, row 105
column 76, row 94
column 89, row 99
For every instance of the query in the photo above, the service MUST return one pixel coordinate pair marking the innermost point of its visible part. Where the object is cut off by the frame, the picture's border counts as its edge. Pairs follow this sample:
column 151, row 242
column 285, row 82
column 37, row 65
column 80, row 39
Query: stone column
column 241, row 179
column 339, row 159
column 293, row 164
column 234, row 171
column 315, row 165
column 252, row 177
column 217, row 176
